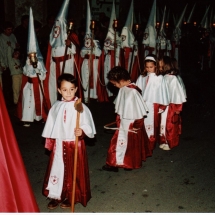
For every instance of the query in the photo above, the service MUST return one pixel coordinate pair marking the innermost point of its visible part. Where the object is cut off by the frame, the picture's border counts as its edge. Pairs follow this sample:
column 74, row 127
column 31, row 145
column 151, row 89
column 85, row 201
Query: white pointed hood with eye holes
column 127, row 36
column 32, row 46
column 109, row 41
column 86, row 49
column 58, row 34
column 150, row 33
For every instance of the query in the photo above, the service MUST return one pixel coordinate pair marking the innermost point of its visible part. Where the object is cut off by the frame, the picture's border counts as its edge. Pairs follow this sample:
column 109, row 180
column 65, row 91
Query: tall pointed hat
column 191, row 14
column 32, row 45
column 127, row 35
column 162, row 32
column 204, row 22
column 177, row 30
column 58, row 34
column 88, row 18
column 109, row 41
column 88, row 35
column 150, row 32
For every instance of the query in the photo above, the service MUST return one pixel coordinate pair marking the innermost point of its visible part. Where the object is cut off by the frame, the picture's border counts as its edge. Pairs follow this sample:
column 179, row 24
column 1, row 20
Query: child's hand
column 78, row 132
column 177, row 112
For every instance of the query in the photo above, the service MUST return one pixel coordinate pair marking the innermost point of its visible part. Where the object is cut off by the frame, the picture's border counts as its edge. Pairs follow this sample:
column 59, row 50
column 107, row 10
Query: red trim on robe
column 138, row 148
column 82, row 188
column 173, row 125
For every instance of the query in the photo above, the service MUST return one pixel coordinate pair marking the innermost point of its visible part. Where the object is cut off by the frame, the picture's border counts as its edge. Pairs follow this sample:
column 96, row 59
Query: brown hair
column 144, row 72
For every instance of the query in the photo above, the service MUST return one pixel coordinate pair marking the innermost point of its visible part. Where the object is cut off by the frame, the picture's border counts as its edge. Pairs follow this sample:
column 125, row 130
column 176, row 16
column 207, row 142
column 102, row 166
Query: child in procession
column 129, row 144
column 155, row 94
column 170, row 118
column 60, row 132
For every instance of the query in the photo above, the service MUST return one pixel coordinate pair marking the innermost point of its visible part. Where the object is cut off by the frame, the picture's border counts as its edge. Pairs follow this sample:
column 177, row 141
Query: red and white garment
column 155, row 95
column 170, row 128
column 59, row 128
column 30, row 105
column 129, row 146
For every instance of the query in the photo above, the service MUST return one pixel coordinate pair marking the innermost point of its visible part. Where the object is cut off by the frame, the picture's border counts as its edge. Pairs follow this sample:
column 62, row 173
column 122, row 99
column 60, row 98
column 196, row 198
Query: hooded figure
column 93, row 85
column 111, row 55
column 32, row 104
column 57, row 55
column 150, row 34
column 177, row 36
column 129, row 47
column 161, row 40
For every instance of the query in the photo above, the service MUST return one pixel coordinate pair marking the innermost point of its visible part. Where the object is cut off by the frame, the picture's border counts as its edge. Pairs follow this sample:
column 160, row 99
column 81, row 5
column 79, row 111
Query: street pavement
column 181, row 180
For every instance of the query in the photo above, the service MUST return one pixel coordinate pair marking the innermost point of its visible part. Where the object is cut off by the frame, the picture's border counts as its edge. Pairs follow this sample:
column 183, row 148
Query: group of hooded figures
column 89, row 64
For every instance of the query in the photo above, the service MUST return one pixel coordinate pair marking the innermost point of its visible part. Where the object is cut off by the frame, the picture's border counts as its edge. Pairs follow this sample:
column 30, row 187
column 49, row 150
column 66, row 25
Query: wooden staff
column 66, row 48
column 79, row 108
column 92, row 26
column 34, row 61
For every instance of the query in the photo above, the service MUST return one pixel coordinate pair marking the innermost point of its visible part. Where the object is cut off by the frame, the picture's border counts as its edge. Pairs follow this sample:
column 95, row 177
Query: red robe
column 16, row 192
column 173, row 126
column 82, row 188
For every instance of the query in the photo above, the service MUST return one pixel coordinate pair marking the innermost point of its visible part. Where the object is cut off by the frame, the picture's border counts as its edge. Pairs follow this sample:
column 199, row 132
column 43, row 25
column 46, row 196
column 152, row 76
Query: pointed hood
column 109, row 41
column 178, row 25
column 58, row 34
column 127, row 35
column 86, row 49
column 88, row 18
column 150, row 33
column 162, row 32
column 204, row 22
column 32, row 45
column 191, row 14
column 177, row 31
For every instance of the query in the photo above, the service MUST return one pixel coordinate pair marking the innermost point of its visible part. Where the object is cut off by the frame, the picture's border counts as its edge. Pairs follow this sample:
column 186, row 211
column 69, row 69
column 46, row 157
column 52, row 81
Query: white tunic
column 28, row 101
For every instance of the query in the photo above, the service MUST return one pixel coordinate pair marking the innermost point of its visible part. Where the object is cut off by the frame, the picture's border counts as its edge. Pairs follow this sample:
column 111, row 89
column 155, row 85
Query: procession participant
column 150, row 33
column 32, row 104
column 91, row 68
column 16, row 71
column 7, row 38
column 129, row 145
column 155, row 95
column 111, row 48
column 170, row 128
column 163, row 44
column 16, row 192
column 176, row 36
column 129, row 47
column 56, row 56
column 60, row 132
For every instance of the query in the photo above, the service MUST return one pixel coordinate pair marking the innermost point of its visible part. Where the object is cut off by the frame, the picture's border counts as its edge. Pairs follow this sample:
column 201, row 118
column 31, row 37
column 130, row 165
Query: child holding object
column 129, row 145
column 60, row 133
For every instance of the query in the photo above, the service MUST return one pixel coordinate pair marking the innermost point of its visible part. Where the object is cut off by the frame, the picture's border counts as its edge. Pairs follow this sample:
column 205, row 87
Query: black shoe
column 126, row 169
column 53, row 204
column 110, row 168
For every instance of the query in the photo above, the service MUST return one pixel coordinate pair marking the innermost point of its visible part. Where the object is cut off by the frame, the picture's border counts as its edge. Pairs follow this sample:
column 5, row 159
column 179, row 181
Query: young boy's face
column 67, row 90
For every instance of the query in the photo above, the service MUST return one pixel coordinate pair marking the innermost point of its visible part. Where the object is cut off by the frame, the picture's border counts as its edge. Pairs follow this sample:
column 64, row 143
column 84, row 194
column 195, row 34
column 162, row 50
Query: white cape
column 61, row 121
column 129, row 104
column 154, row 90
column 176, row 93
